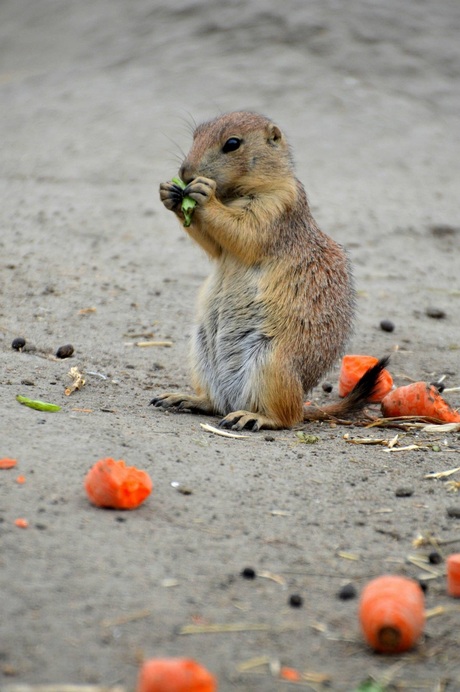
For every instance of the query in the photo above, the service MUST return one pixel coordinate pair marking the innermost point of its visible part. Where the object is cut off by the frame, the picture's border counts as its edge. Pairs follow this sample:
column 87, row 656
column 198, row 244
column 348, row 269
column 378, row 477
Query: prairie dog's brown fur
column 277, row 309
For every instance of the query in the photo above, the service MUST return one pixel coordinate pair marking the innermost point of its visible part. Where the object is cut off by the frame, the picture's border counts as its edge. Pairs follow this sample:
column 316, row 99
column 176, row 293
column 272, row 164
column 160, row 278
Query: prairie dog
column 277, row 309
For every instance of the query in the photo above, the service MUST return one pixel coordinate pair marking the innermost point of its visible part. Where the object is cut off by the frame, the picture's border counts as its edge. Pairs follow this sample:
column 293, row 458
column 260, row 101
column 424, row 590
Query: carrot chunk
column 7, row 463
column 453, row 575
column 21, row 523
column 392, row 613
column 175, row 675
column 114, row 485
column 290, row 674
column 354, row 367
column 418, row 399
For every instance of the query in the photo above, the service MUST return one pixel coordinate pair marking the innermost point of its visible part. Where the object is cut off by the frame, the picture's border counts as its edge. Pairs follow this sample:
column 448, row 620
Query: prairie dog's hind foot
column 247, row 420
column 182, row 402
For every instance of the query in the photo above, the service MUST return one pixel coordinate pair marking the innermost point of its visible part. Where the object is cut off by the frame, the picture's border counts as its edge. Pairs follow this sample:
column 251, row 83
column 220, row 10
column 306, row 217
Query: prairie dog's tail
column 355, row 401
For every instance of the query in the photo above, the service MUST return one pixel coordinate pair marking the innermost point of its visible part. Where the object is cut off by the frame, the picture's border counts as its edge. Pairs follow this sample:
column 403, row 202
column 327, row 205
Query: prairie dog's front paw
column 171, row 196
column 201, row 190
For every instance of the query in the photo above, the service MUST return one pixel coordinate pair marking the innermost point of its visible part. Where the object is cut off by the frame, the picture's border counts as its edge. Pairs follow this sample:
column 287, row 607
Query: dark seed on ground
column 327, row 387
column 423, row 585
column 443, row 230
column 295, row 600
column 65, row 351
column 387, row 326
column 434, row 557
column 435, row 313
column 248, row 573
column 18, row 343
column 404, row 492
column 453, row 512
column 346, row 592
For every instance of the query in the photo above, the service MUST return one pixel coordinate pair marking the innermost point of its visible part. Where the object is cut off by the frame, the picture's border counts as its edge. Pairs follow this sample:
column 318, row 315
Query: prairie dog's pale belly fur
column 228, row 352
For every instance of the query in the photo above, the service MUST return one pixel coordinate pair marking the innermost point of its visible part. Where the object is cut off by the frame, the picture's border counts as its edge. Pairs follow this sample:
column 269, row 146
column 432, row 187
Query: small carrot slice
column 7, row 463
column 114, row 485
column 354, row 367
column 392, row 613
column 453, row 575
column 175, row 675
column 21, row 479
column 418, row 399
column 290, row 674
column 21, row 523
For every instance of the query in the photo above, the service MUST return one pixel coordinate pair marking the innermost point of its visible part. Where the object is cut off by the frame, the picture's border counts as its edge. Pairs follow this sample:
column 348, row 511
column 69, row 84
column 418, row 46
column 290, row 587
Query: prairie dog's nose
column 186, row 172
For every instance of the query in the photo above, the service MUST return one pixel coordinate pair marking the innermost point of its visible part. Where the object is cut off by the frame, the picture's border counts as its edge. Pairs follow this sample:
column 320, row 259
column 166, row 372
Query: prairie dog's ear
column 274, row 134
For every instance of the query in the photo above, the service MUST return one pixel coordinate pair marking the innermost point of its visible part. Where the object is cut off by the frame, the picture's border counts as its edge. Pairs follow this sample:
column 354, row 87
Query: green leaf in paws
column 188, row 204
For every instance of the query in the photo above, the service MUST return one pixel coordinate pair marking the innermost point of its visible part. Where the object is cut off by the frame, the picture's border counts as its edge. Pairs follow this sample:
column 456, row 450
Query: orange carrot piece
column 114, row 485
column 453, row 575
column 175, row 675
column 392, row 613
column 7, row 463
column 354, row 367
column 21, row 479
column 418, row 399
column 21, row 523
column 290, row 674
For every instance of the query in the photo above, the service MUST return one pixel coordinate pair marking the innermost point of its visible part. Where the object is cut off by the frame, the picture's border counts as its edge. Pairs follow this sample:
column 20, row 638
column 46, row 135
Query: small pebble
column 327, row 387
column 404, row 492
column 453, row 512
column 435, row 313
column 65, row 351
column 387, row 326
column 184, row 490
column 347, row 592
column 248, row 573
column 18, row 343
column 434, row 557
column 269, row 438
column 295, row 600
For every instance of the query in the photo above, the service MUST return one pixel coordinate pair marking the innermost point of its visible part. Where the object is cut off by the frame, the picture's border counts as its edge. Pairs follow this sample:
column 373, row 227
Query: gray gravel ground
column 97, row 102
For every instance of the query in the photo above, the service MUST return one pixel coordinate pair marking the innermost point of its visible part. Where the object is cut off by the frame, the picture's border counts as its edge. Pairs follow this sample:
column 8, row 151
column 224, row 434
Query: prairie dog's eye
column 231, row 144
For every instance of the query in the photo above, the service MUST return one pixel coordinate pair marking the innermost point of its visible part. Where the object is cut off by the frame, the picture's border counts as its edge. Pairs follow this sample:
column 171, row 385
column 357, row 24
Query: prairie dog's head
column 243, row 152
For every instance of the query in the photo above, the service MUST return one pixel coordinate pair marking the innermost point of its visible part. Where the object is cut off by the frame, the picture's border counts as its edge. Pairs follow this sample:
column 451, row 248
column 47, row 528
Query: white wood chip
column 441, row 428
column 222, row 433
column 402, row 449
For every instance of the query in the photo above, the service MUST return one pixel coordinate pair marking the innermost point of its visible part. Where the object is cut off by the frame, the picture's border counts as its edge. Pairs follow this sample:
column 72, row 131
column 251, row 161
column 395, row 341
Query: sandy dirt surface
column 97, row 101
